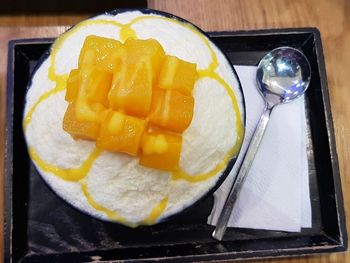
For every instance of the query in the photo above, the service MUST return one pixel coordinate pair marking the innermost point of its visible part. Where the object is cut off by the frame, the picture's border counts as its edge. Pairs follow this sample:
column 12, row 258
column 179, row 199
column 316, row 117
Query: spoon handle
column 251, row 151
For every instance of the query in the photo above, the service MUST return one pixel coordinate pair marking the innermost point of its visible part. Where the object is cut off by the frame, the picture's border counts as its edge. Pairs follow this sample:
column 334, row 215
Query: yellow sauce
column 72, row 174
column 109, row 213
column 156, row 212
column 127, row 32
column 78, row 174
column 60, row 86
column 181, row 174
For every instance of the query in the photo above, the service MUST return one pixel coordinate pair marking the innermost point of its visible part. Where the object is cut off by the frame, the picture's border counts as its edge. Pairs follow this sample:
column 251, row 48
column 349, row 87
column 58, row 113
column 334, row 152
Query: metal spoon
column 282, row 76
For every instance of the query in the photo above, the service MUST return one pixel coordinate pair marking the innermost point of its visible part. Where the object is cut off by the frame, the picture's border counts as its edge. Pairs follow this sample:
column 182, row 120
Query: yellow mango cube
column 171, row 110
column 120, row 133
column 131, row 90
column 72, row 85
column 150, row 49
column 114, row 62
column 79, row 129
column 93, row 90
column 98, row 86
column 96, row 49
column 161, row 150
column 177, row 74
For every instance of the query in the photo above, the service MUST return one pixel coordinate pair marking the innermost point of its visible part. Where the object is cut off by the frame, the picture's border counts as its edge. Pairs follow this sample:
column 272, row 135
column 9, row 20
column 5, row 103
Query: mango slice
column 98, row 86
column 96, row 49
column 171, row 110
column 161, row 150
column 131, row 89
column 178, row 74
column 114, row 61
column 79, row 129
column 150, row 49
column 131, row 98
column 72, row 85
column 121, row 133
column 83, row 109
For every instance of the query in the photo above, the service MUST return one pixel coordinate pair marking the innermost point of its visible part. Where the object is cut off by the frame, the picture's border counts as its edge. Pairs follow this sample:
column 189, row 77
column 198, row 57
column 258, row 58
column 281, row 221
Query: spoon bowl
column 283, row 75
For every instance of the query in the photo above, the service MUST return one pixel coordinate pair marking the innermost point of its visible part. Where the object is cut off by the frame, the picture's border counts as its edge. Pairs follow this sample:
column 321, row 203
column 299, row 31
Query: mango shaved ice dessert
column 133, row 117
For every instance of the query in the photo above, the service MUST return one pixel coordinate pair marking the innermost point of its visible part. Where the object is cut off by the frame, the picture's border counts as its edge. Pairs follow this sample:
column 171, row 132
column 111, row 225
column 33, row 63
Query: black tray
column 40, row 227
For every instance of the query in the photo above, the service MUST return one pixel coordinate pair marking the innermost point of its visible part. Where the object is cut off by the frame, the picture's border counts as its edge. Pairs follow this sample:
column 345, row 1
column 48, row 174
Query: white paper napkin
column 275, row 195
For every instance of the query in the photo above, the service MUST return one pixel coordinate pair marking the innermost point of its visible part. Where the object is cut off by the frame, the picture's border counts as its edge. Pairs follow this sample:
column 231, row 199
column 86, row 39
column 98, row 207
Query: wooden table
column 331, row 17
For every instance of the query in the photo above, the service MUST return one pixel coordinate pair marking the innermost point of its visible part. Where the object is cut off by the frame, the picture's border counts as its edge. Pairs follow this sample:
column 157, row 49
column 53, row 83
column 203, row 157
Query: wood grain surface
column 332, row 18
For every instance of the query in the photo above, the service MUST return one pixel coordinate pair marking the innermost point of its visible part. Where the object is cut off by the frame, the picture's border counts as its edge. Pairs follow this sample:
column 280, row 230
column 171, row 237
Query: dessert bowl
column 113, row 186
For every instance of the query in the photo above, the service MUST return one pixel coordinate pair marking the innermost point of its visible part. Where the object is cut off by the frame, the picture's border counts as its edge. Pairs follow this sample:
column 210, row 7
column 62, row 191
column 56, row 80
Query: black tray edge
column 8, row 156
column 332, row 142
column 268, row 31
column 219, row 257
column 8, row 145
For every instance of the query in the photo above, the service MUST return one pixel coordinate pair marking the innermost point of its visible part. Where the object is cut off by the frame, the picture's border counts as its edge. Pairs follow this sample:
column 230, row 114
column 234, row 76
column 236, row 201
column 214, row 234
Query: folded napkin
column 275, row 195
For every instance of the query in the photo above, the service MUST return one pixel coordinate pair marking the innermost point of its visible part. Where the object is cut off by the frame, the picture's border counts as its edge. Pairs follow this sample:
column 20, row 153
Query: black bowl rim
column 229, row 166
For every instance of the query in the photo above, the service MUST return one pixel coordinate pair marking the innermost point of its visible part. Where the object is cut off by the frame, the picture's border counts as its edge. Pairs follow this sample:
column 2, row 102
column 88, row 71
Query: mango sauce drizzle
column 71, row 174
column 78, row 174
column 156, row 211
column 60, row 86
